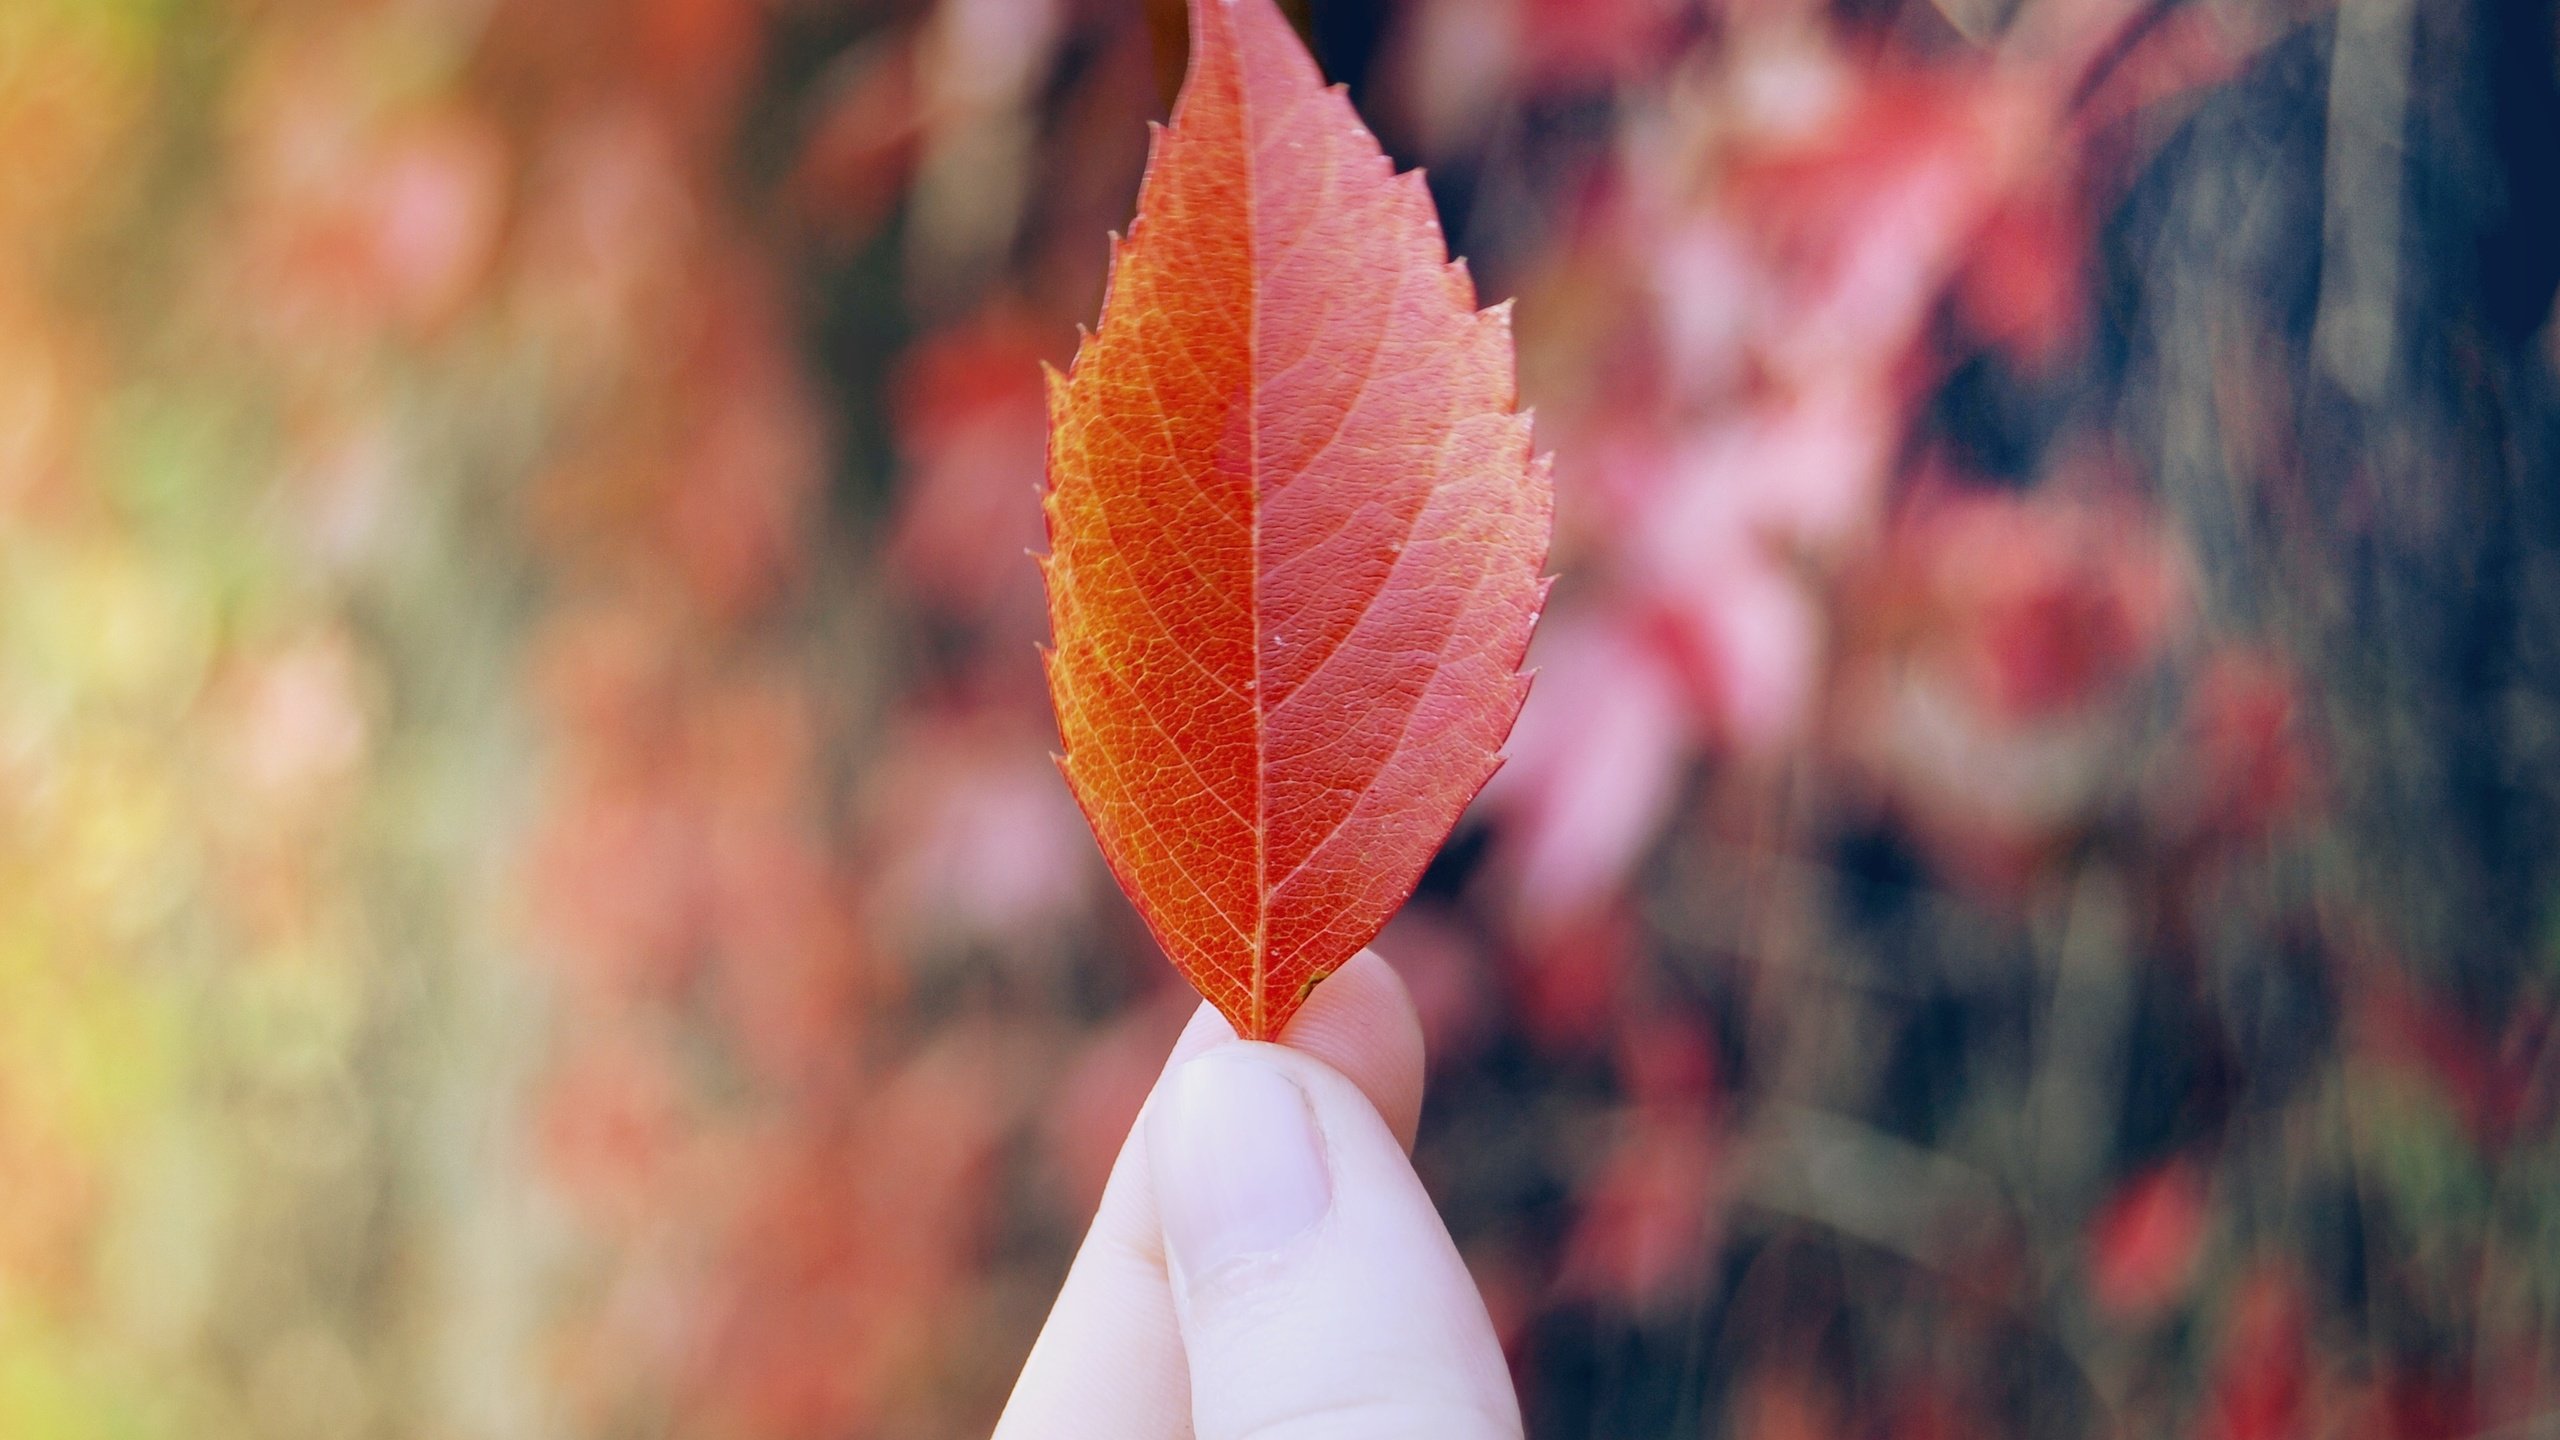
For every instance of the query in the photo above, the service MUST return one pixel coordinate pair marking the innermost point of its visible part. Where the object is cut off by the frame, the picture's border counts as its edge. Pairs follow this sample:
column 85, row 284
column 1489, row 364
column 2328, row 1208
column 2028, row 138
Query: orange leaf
column 1295, row 529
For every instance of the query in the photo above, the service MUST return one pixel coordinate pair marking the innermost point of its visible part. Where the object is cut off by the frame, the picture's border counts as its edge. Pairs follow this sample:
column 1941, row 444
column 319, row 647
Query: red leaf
column 2263, row 1387
column 1296, row 530
column 970, row 424
column 2147, row 1241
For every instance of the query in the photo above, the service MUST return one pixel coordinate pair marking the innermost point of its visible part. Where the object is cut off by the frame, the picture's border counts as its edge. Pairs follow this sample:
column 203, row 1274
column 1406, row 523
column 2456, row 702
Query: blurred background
column 533, row 898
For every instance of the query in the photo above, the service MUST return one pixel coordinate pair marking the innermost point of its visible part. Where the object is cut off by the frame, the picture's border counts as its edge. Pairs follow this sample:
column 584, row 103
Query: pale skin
column 1264, row 1264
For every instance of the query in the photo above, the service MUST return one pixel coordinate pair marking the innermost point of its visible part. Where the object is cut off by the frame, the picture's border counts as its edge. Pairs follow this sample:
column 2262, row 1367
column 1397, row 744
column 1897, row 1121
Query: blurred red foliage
column 2020, row 902
column 972, row 420
column 2147, row 1241
column 1850, row 729
column 2263, row 1379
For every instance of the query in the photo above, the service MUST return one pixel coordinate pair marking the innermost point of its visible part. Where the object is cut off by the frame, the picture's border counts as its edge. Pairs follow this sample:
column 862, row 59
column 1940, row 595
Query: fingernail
column 1239, row 1168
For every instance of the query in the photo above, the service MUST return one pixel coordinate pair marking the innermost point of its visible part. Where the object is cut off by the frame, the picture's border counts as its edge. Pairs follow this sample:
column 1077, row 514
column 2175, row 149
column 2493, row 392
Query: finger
column 1362, row 1023
column 1315, row 1289
column 1109, row 1363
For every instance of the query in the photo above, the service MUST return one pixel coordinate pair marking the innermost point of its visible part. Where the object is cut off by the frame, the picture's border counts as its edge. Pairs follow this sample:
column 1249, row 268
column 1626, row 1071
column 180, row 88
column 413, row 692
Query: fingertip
column 1362, row 1022
column 1206, row 1030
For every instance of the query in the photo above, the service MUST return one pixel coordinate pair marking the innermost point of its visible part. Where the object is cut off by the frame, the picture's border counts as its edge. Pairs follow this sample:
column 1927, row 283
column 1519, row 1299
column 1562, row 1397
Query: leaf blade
column 1296, row 527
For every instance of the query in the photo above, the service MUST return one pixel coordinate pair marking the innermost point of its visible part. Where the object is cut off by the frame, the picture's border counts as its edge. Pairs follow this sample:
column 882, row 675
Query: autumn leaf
column 1295, row 527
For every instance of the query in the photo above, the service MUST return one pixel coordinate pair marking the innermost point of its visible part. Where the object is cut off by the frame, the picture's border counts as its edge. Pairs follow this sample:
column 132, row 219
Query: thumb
column 1318, row 1294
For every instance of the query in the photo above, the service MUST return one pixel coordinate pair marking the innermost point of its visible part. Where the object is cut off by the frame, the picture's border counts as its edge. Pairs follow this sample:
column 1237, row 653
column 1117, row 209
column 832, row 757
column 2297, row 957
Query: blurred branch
column 2539, row 1427
column 2080, row 1062
column 1976, row 20
column 2356, row 334
column 1847, row 1176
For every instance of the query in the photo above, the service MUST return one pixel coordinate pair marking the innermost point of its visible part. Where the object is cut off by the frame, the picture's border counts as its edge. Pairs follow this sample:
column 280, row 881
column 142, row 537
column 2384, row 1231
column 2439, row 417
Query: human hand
column 1264, row 1264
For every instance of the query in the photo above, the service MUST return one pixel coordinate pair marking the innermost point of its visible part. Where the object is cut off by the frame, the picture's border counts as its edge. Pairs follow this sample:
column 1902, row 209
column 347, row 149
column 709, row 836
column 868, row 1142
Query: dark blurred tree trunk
column 2362, row 236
